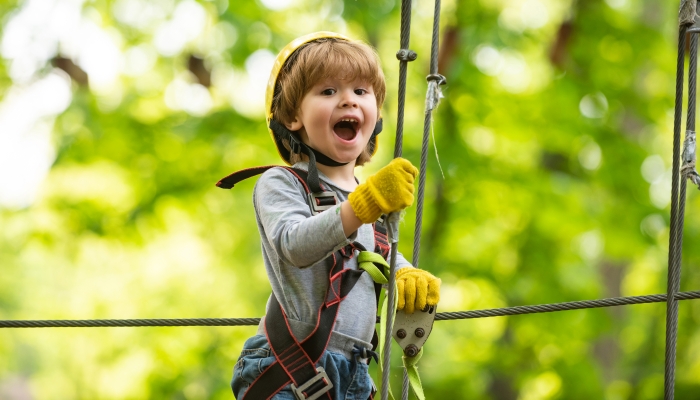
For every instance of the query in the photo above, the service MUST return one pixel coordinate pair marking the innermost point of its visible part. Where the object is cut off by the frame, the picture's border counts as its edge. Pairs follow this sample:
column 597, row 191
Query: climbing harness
column 296, row 359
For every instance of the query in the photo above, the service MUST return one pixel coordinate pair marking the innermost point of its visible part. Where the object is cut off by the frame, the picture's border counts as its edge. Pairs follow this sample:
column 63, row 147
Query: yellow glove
column 389, row 190
column 416, row 289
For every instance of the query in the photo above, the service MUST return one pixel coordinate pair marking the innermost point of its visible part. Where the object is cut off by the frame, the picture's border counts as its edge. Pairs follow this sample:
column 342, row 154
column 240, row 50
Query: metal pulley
column 412, row 330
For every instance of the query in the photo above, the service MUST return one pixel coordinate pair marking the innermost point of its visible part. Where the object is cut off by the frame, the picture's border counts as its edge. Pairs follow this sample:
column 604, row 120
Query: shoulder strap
column 318, row 201
column 231, row 180
column 381, row 240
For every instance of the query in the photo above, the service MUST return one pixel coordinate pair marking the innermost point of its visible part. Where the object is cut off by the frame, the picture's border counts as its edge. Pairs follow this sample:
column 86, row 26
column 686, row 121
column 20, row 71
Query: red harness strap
column 296, row 361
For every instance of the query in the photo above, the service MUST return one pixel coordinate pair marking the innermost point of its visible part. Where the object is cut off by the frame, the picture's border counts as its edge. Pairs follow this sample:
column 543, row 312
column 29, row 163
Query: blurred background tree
column 118, row 116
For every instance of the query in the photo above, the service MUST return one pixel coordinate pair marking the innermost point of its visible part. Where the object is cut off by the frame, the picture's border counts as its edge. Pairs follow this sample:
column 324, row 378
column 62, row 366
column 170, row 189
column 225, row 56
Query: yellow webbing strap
column 370, row 262
column 412, row 371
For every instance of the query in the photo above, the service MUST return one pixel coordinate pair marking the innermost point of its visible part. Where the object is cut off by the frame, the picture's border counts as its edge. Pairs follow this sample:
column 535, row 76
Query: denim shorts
column 349, row 377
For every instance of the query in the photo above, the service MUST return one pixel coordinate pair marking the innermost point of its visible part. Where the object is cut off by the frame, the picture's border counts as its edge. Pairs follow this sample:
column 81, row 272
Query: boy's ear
column 294, row 125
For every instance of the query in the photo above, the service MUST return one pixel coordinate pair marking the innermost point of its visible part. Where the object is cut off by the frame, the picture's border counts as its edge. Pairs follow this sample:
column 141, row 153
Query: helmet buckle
column 294, row 145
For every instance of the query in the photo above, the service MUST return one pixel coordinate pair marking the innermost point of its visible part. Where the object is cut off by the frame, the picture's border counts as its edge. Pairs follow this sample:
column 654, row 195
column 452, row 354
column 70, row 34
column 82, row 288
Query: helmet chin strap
column 297, row 146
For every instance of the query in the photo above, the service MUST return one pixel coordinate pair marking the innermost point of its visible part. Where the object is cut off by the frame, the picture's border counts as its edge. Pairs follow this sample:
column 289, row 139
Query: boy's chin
column 346, row 157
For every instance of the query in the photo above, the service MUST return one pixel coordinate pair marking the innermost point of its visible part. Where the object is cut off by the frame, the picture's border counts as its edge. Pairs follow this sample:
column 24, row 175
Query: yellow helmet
column 275, row 126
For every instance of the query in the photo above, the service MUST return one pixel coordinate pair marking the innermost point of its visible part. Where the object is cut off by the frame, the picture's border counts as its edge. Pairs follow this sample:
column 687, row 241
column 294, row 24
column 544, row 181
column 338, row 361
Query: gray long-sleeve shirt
column 296, row 246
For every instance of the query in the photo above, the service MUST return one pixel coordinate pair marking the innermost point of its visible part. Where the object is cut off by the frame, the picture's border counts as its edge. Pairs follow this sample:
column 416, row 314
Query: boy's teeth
column 354, row 122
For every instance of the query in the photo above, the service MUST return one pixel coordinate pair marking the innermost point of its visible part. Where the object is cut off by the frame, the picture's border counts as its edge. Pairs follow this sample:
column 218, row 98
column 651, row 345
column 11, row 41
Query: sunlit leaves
column 554, row 137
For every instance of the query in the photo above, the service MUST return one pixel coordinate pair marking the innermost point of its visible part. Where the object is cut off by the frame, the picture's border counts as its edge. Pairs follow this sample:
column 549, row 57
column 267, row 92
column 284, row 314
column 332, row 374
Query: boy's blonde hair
column 322, row 59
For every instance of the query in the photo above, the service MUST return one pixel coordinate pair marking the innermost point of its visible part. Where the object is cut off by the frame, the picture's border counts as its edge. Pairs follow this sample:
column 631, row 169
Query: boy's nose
column 349, row 100
column 348, row 103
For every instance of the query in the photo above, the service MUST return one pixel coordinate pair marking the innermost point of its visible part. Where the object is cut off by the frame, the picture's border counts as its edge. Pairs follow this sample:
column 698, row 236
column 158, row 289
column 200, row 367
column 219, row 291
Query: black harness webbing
column 296, row 360
column 231, row 180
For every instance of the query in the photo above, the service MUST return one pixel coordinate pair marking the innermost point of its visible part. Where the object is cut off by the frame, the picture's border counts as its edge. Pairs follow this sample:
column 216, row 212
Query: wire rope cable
column 442, row 316
column 404, row 55
column 405, row 387
column 677, row 200
column 432, row 97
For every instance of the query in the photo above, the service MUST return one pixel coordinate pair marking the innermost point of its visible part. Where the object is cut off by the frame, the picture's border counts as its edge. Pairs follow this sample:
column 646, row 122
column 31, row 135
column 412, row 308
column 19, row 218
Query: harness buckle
column 381, row 219
column 320, row 202
column 322, row 378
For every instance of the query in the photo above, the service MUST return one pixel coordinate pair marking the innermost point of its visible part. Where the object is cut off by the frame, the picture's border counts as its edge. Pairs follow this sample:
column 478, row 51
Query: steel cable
column 443, row 316
column 431, row 102
column 571, row 305
column 405, row 387
column 433, row 81
column 405, row 55
column 94, row 323
column 677, row 215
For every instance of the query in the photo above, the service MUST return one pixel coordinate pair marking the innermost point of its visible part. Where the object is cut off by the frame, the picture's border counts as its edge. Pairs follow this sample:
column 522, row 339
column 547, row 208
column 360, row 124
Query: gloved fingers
column 408, row 175
column 405, row 200
column 421, row 291
column 408, row 198
column 405, row 165
column 409, row 293
column 400, row 292
column 413, row 171
column 433, row 292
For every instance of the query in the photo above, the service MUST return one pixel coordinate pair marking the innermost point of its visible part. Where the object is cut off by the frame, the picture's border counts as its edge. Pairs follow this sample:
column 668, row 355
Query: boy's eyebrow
column 333, row 81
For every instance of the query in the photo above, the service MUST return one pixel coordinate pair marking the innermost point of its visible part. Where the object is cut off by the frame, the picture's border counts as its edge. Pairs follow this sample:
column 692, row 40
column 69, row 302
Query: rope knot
column 441, row 80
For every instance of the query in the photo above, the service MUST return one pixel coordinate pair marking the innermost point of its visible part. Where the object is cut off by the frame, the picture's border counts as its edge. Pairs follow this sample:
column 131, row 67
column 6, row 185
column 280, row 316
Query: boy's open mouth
column 346, row 128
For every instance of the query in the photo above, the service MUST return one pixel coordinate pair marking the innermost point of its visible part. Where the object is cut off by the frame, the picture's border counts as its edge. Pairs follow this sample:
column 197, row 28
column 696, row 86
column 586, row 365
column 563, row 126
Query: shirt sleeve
column 401, row 261
column 297, row 237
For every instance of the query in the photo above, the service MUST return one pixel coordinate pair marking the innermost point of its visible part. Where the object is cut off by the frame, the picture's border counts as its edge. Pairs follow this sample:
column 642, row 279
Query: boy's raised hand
column 389, row 190
column 416, row 289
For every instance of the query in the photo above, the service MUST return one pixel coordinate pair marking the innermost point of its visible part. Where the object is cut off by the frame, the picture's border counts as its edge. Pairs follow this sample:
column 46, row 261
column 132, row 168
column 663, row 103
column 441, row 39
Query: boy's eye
column 360, row 92
column 328, row 92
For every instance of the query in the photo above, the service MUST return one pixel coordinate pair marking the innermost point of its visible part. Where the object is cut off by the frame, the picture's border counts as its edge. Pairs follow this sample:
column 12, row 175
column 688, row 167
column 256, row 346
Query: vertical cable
column 405, row 56
column 405, row 387
column 434, row 80
column 675, row 237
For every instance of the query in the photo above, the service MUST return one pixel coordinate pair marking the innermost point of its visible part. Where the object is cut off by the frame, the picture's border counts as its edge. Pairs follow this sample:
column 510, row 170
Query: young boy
column 323, row 103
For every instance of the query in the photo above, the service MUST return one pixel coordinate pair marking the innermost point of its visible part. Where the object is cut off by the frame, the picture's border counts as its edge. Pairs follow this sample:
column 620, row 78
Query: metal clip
column 441, row 80
column 407, row 55
column 434, row 93
column 320, row 377
column 316, row 201
column 689, row 157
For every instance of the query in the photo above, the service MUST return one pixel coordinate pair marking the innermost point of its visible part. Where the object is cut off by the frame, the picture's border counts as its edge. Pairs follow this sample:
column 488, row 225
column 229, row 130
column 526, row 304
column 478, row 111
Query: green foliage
column 554, row 118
